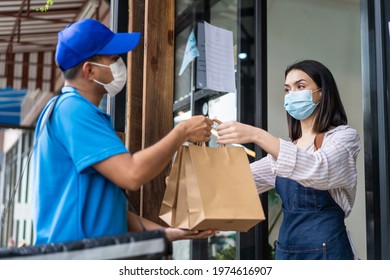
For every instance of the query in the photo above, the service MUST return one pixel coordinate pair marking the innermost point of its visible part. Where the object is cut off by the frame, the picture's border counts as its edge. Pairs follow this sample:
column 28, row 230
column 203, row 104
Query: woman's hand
column 239, row 133
column 236, row 133
column 174, row 234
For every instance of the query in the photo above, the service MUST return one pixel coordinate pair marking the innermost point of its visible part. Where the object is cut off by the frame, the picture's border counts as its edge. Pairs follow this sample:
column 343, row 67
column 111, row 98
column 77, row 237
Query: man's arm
column 130, row 171
column 134, row 224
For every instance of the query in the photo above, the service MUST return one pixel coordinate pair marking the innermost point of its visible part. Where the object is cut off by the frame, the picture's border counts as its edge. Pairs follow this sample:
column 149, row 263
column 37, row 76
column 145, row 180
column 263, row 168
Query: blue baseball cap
column 88, row 37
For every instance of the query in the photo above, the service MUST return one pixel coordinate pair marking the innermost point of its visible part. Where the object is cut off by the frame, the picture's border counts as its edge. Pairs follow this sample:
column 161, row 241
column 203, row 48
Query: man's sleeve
column 86, row 133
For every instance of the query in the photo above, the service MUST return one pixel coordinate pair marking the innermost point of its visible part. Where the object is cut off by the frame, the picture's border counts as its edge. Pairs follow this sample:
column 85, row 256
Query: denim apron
column 313, row 225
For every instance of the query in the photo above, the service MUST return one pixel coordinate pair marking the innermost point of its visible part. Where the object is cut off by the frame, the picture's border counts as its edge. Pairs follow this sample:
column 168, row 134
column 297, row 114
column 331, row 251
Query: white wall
column 327, row 31
column 11, row 136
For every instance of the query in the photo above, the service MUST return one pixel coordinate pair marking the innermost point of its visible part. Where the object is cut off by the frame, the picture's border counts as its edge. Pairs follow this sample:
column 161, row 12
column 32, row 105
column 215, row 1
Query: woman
column 314, row 173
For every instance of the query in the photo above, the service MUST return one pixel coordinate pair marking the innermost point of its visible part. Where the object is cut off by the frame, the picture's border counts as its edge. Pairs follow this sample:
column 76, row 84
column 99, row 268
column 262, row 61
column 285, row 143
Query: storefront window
column 189, row 100
column 285, row 47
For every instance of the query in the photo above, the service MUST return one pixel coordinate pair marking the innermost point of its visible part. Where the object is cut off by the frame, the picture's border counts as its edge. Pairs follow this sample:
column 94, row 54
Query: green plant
column 46, row 7
column 228, row 253
column 274, row 201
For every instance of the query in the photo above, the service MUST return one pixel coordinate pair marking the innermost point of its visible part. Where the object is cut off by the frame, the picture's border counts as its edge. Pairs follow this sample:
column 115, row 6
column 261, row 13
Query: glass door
column 239, row 17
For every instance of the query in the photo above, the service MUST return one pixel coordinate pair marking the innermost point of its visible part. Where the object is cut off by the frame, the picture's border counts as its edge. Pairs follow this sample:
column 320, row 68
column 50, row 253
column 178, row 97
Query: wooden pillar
column 150, row 113
column 39, row 77
column 158, row 89
column 25, row 74
column 9, row 69
column 53, row 71
column 135, row 66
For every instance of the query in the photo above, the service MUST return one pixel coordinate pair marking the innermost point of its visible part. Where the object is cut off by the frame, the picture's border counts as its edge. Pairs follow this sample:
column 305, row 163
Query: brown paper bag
column 211, row 188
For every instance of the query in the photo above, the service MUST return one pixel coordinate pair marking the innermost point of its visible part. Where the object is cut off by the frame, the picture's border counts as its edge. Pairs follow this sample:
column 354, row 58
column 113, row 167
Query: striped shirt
column 332, row 167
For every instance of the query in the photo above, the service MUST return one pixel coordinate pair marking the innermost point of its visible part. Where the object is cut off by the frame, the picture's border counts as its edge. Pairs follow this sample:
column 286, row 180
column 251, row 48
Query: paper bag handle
column 217, row 121
column 248, row 151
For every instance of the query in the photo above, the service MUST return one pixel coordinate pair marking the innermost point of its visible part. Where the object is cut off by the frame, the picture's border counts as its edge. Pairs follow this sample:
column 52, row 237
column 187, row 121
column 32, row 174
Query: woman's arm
column 239, row 133
column 332, row 166
column 263, row 175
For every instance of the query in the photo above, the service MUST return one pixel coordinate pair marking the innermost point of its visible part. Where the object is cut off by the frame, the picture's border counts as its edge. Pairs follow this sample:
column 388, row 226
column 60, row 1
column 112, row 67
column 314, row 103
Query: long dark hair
column 330, row 110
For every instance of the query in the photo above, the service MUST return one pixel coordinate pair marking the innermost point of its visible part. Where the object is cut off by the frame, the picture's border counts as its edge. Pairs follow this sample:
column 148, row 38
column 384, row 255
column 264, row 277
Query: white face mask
column 118, row 70
column 299, row 104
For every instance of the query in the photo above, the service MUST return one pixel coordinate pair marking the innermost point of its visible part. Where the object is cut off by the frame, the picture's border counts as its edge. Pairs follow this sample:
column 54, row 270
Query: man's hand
column 174, row 234
column 197, row 129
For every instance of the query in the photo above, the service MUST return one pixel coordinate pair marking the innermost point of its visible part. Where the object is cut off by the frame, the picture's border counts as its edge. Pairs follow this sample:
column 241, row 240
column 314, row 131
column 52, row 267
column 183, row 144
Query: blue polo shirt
column 73, row 201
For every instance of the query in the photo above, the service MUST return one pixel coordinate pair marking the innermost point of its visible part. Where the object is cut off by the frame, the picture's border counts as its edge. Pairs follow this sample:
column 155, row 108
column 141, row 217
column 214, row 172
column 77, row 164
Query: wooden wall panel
column 26, row 59
column 135, row 66
column 135, row 82
column 39, row 77
column 9, row 70
column 157, row 90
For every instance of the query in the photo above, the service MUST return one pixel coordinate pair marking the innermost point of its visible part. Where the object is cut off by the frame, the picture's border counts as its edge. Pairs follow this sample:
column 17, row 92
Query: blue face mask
column 299, row 104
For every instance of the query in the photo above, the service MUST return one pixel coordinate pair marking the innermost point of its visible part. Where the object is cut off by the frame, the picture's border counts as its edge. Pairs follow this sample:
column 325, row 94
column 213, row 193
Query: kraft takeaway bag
column 211, row 188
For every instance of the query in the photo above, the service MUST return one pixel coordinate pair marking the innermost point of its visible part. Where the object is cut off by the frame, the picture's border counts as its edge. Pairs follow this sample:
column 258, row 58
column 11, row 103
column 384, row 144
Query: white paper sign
column 216, row 59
